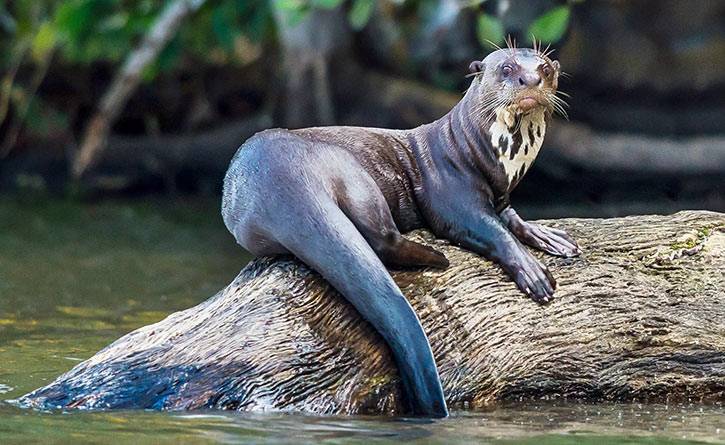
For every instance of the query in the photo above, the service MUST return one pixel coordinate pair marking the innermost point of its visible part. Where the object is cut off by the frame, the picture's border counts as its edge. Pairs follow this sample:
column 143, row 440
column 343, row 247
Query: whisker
column 560, row 110
column 558, row 105
column 558, row 100
column 492, row 44
column 511, row 44
column 487, row 107
column 547, row 48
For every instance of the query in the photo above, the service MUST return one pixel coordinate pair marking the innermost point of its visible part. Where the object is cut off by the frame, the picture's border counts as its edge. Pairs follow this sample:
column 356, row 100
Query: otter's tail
column 326, row 240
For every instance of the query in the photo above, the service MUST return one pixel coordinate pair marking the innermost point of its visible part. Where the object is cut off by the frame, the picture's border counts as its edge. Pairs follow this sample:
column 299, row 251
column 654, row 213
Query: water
column 75, row 277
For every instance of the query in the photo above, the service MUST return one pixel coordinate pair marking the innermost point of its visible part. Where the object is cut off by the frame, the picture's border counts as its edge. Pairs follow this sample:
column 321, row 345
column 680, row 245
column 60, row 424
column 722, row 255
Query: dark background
column 646, row 78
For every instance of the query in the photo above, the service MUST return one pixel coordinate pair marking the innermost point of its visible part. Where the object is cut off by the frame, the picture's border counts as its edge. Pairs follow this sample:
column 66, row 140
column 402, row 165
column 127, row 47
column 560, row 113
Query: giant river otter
column 339, row 198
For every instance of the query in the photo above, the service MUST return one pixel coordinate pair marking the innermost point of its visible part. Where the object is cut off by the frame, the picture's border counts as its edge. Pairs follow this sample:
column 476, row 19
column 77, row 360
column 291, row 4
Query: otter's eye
column 506, row 70
column 546, row 70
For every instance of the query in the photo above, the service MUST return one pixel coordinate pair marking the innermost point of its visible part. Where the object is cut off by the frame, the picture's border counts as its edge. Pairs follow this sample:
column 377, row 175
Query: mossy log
column 640, row 316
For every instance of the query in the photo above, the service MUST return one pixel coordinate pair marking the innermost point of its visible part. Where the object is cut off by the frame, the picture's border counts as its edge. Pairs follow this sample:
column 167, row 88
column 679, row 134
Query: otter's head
column 520, row 79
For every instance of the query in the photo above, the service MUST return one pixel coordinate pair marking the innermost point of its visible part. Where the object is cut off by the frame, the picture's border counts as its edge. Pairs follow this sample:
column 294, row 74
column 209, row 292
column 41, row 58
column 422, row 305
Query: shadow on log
column 641, row 316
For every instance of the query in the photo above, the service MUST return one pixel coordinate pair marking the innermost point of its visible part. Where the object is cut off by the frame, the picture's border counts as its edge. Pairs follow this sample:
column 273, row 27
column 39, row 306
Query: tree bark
column 127, row 80
column 640, row 316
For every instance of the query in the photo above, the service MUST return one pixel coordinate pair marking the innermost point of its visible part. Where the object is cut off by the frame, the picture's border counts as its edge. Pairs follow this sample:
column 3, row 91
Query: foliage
column 548, row 27
column 80, row 33
column 551, row 26
column 489, row 29
column 360, row 13
column 85, row 32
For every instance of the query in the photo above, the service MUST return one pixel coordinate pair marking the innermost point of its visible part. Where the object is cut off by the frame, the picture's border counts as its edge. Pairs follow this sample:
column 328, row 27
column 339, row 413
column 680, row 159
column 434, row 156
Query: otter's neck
column 516, row 141
column 499, row 145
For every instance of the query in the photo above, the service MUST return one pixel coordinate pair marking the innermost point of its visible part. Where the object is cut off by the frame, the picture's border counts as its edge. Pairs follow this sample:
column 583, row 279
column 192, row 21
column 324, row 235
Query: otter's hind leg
column 369, row 212
column 405, row 253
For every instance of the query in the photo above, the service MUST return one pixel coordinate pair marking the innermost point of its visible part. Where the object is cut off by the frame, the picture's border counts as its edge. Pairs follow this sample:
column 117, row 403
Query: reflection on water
column 544, row 424
column 74, row 277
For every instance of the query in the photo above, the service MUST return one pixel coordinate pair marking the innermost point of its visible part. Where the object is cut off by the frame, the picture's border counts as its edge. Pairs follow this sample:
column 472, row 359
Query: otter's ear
column 556, row 65
column 476, row 67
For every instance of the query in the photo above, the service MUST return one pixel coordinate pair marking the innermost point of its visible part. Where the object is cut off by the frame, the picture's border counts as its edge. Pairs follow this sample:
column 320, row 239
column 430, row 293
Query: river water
column 74, row 277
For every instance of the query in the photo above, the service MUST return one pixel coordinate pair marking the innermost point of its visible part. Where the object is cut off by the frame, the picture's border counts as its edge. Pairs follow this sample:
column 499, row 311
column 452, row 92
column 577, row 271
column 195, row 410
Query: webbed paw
column 547, row 239
column 531, row 276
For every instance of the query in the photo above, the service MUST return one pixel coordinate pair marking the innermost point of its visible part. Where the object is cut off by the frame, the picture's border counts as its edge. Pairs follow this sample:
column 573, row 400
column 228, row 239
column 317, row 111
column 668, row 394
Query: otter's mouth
column 528, row 103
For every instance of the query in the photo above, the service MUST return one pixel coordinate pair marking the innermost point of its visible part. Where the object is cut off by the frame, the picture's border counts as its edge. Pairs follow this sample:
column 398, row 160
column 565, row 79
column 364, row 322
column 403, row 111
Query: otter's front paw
column 532, row 277
column 547, row 239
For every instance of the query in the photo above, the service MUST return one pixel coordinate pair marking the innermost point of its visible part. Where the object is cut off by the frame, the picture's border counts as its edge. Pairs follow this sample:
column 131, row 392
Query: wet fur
column 338, row 198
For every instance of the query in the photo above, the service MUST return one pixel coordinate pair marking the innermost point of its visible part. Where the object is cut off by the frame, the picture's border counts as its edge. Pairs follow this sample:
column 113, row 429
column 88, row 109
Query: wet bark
column 640, row 316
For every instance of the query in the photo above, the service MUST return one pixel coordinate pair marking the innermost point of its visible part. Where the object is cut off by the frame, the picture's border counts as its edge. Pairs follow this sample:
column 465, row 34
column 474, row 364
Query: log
column 127, row 159
column 579, row 145
column 639, row 317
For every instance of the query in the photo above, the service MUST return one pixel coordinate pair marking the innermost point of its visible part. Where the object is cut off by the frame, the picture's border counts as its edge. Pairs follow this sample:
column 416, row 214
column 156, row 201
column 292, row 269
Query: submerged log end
column 639, row 316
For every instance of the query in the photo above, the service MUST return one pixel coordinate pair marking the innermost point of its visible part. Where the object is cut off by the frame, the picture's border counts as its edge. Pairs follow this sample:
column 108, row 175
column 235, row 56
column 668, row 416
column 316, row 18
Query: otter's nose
column 529, row 79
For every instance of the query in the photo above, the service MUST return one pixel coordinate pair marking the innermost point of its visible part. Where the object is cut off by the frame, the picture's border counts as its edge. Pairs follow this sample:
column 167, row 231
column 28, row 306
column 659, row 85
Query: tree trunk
column 640, row 316
column 308, row 48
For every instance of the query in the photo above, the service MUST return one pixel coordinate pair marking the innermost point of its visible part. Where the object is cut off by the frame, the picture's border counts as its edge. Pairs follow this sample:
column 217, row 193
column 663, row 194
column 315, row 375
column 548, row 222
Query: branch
column 581, row 146
column 639, row 317
column 127, row 80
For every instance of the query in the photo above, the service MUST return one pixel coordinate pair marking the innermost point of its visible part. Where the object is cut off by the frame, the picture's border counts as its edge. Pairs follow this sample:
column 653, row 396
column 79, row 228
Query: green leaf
column 326, row 4
column 112, row 23
column 551, row 26
column 360, row 13
column 44, row 41
column 223, row 27
column 489, row 28
column 170, row 55
column 73, row 19
column 259, row 24
column 294, row 10
column 295, row 16
column 150, row 72
column 290, row 5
